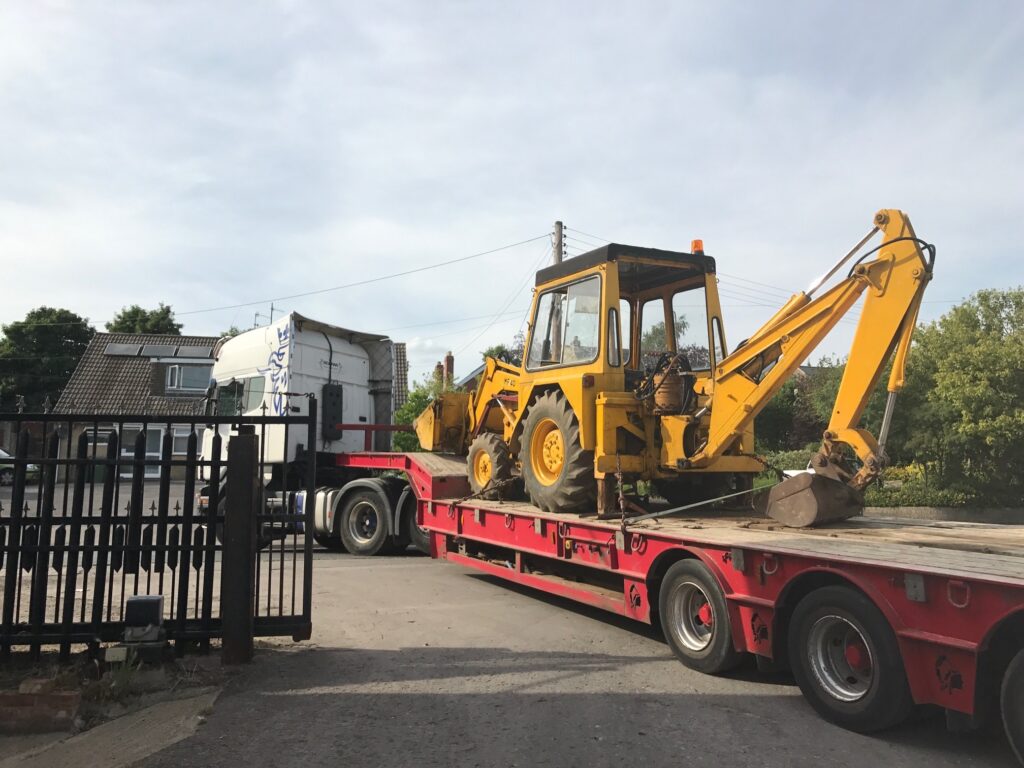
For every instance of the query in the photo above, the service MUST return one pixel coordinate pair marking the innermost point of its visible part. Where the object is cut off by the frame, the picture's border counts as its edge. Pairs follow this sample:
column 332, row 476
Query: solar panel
column 184, row 351
column 125, row 350
column 159, row 350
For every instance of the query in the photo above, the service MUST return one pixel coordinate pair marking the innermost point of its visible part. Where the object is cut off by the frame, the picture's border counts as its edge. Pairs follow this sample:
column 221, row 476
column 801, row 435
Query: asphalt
column 415, row 662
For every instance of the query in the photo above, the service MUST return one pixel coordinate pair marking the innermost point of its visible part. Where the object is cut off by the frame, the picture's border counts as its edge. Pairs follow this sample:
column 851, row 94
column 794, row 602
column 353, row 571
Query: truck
column 874, row 618
column 280, row 369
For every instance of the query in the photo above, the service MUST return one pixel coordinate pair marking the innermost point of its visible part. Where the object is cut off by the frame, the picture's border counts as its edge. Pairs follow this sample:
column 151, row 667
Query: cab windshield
column 566, row 327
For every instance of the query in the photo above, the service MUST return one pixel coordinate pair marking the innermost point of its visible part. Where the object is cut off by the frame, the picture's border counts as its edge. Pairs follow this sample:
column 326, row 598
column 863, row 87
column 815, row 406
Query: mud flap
column 808, row 499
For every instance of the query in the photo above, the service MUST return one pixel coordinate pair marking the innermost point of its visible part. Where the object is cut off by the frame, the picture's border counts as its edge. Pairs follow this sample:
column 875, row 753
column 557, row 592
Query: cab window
column 690, row 316
column 566, row 326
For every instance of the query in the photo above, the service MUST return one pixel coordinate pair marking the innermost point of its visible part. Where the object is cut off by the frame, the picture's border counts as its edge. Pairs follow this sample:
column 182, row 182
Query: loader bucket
column 808, row 499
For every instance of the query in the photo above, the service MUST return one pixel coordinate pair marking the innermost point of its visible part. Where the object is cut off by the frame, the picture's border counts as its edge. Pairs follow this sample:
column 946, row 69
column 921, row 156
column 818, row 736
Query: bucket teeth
column 808, row 499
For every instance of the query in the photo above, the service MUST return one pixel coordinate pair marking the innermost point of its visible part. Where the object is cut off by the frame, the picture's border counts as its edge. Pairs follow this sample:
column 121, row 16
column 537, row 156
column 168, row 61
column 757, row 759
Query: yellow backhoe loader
column 627, row 375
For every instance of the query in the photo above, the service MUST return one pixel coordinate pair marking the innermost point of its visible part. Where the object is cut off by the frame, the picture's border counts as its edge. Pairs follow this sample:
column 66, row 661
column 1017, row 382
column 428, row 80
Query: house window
column 180, row 444
column 188, row 378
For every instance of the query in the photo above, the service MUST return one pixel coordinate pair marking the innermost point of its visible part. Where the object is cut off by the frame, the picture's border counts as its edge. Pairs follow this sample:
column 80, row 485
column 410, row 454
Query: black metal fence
column 97, row 508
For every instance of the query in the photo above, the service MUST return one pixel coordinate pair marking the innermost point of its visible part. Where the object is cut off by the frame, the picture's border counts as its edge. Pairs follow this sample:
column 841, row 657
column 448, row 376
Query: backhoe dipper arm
column 748, row 378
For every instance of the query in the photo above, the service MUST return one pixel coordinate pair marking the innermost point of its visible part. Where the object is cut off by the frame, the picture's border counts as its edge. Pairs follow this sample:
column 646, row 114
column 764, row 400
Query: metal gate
column 86, row 521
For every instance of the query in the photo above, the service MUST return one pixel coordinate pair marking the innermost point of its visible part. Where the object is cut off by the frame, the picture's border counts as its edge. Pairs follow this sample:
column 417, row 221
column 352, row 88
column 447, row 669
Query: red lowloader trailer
column 872, row 616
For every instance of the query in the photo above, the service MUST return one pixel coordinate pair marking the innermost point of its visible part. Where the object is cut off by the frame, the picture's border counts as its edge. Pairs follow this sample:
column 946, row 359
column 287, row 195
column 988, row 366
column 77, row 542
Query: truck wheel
column 557, row 472
column 695, row 618
column 1012, row 703
column 333, row 543
column 847, row 662
column 420, row 537
column 363, row 524
column 489, row 464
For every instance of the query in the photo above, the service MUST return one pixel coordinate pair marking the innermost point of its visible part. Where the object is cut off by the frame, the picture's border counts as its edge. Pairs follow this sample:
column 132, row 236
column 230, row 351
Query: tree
column 655, row 341
column 511, row 354
column 974, row 419
column 39, row 354
column 419, row 398
column 135, row 319
column 231, row 332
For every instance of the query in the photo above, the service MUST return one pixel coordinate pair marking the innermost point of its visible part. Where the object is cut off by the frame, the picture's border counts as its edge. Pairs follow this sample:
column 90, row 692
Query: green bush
column 914, row 493
column 788, row 459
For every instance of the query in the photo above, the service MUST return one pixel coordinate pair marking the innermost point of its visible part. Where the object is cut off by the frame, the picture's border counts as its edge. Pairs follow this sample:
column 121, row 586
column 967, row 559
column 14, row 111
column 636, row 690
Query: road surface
column 419, row 663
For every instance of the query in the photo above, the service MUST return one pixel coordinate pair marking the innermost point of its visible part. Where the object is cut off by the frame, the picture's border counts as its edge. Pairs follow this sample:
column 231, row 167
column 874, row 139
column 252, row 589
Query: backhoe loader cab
column 632, row 303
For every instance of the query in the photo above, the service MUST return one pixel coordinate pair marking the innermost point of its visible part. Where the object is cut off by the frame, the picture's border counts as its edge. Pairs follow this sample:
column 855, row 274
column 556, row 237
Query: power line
column 367, row 281
column 446, row 322
column 592, row 237
column 513, row 297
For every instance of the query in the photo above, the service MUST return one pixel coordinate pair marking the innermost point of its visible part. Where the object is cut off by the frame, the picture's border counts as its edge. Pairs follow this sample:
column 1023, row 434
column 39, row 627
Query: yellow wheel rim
column 482, row 469
column 547, row 452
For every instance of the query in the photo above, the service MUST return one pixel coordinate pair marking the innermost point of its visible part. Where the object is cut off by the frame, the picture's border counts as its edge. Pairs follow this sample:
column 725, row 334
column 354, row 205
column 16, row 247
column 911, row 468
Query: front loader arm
column 747, row 379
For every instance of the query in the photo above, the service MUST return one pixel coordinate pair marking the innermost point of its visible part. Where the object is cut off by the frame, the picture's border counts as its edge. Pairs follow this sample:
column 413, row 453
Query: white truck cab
column 270, row 370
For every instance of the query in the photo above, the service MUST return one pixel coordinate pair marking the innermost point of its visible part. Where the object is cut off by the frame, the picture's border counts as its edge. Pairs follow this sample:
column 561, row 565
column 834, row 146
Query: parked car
column 7, row 468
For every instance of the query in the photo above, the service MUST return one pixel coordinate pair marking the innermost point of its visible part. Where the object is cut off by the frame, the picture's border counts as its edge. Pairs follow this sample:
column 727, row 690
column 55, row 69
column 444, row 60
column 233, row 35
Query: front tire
column 489, row 465
column 7, row 476
column 557, row 472
column 847, row 662
column 1011, row 701
column 695, row 618
column 363, row 524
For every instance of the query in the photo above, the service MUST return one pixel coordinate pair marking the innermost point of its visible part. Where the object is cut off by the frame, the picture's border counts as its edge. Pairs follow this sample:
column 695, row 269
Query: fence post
column 237, row 595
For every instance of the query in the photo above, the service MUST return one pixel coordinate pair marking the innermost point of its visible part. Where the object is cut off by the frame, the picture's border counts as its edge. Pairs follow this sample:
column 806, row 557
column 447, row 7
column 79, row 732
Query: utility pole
column 555, row 353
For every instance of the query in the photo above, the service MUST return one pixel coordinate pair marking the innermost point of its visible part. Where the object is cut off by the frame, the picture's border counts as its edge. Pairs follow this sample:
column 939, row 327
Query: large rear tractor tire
column 695, row 618
column 1012, row 703
column 557, row 472
column 489, row 465
column 847, row 662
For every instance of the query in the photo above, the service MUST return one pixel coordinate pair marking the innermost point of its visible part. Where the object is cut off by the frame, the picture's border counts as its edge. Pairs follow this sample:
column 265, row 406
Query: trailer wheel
column 557, row 472
column 363, row 523
column 847, row 662
column 489, row 465
column 695, row 618
column 1012, row 702
column 419, row 537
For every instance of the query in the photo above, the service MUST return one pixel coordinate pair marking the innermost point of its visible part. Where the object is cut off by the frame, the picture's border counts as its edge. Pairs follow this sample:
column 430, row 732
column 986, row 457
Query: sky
column 210, row 155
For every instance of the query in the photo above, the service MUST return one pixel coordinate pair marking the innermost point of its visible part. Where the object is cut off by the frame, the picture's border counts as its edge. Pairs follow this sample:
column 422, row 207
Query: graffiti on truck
column 277, row 371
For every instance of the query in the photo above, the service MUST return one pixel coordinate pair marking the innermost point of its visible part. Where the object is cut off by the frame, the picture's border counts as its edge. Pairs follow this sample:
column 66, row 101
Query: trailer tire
column 847, row 662
column 419, row 537
column 1011, row 701
column 363, row 525
column 695, row 618
column 557, row 472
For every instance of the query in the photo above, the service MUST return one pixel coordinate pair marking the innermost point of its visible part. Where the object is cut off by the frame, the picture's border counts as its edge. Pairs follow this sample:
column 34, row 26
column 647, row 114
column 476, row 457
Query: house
column 139, row 374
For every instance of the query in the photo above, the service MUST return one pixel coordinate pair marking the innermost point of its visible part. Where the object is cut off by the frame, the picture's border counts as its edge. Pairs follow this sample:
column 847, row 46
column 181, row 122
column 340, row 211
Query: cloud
column 213, row 154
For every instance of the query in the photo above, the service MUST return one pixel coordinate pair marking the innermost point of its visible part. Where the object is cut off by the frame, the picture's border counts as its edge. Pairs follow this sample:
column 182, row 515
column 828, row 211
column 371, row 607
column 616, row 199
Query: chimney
column 439, row 372
column 449, row 369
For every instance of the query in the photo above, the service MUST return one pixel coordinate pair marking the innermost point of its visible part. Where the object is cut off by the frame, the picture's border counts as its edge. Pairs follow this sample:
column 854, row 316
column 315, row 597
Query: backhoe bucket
column 808, row 499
